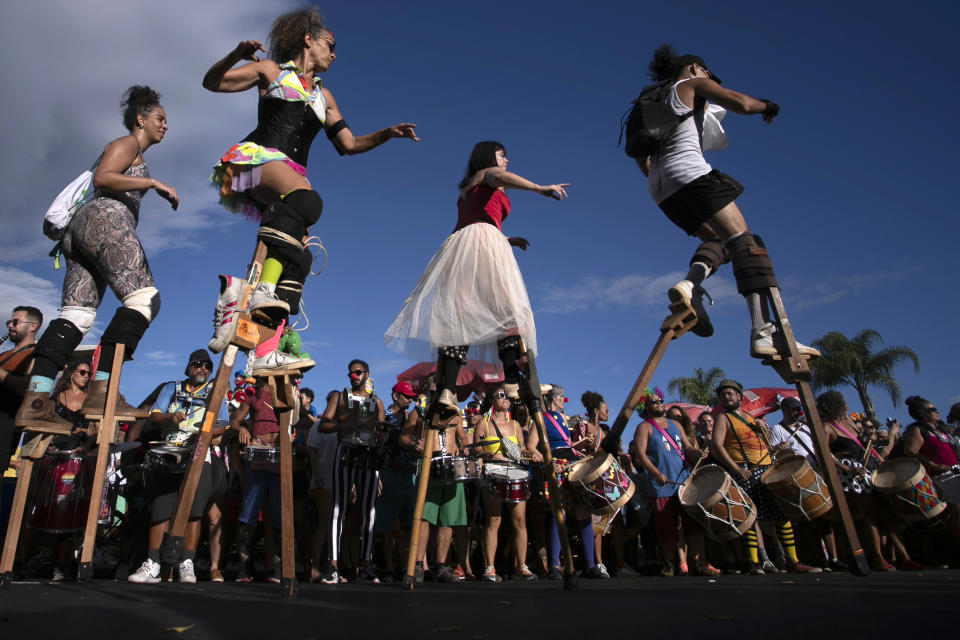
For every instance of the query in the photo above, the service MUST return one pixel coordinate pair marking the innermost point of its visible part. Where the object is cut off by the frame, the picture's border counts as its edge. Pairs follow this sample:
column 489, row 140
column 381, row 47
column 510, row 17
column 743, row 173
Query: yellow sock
column 785, row 533
column 272, row 267
column 750, row 541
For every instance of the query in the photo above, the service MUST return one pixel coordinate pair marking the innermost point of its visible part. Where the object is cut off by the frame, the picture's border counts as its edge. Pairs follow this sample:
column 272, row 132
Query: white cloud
column 160, row 358
column 804, row 293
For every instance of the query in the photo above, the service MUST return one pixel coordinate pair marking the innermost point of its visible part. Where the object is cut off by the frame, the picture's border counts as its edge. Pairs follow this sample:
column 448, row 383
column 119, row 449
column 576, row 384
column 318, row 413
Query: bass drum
column 717, row 503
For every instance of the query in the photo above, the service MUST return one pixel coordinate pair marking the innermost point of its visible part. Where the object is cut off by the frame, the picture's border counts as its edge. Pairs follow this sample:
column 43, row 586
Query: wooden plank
column 287, row 418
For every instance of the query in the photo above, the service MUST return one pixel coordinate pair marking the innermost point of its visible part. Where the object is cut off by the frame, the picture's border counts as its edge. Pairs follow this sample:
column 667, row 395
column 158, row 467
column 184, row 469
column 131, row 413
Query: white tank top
column 681, row 161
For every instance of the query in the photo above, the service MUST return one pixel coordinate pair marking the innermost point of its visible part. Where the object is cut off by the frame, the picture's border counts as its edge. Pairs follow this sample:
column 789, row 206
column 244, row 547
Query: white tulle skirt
column 471, row 293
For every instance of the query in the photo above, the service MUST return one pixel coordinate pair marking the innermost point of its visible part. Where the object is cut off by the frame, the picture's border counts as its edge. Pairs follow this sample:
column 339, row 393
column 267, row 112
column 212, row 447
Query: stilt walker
column 668, row 129
column 472, row 296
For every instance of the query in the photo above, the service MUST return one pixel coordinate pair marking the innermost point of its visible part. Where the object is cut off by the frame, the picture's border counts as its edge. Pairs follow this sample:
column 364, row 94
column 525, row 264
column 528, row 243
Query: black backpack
column 650, row 121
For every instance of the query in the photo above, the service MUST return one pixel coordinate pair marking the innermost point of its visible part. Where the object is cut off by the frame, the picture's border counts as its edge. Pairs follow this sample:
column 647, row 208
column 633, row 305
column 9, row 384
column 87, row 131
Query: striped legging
column 344, row 478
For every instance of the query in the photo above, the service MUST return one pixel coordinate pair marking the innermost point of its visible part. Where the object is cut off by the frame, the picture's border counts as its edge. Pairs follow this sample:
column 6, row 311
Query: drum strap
column 673, row 443
column 844, row 431
column 730, row 417
column 508, row 447
column 563, row 432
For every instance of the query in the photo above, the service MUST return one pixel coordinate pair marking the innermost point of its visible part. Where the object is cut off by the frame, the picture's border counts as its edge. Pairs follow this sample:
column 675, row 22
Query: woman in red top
column 472, row 293
column 924, row 441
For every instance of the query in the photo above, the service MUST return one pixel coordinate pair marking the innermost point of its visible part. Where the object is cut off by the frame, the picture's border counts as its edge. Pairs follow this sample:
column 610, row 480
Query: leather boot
column 37, row 414
column 96, row 398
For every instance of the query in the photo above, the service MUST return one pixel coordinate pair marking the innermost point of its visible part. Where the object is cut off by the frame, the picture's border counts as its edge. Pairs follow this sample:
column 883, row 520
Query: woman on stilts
column 102, row 249
column 264, row 175
column 472, row 293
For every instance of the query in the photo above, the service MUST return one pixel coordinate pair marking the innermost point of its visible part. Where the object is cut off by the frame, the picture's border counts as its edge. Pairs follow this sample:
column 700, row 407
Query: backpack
column 650, row 121
column 61, row 210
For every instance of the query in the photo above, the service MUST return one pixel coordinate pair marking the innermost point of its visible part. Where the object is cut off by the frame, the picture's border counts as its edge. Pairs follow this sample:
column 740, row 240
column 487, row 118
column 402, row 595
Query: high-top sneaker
column 265, row 303
column 761, row 343
column 225, row 313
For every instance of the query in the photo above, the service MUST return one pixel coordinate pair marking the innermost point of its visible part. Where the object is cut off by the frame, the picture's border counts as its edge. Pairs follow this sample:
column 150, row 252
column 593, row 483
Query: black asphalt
column 900, row 605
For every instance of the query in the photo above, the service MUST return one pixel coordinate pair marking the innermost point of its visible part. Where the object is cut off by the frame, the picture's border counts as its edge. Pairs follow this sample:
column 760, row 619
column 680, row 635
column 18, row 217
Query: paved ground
column 904, row 605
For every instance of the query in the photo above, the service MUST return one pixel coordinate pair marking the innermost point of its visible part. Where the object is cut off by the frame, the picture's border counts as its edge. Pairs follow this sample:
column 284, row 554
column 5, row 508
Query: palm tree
column 697, row 389
column 854, row 362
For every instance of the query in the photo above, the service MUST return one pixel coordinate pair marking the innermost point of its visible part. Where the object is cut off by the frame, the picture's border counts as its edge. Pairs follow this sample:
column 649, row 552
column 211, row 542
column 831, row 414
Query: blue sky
column 849, row 187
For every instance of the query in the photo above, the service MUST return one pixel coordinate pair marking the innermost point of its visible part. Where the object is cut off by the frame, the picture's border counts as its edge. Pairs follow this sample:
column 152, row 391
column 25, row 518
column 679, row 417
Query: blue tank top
column 665, row 458
column 554, row 437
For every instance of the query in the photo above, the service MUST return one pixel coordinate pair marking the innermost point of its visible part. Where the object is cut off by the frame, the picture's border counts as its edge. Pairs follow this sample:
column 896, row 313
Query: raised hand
column 404, row 130
column 247, row 50
column 555, row 191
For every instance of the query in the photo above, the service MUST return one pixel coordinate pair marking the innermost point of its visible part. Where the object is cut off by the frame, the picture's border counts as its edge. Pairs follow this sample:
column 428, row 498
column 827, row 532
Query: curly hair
column 917, row 407
column 138, row 100
column 286, row 33
column 483, row 156
column 591, row 401
column 63, row 382
column 663, row 65
column 831, row 405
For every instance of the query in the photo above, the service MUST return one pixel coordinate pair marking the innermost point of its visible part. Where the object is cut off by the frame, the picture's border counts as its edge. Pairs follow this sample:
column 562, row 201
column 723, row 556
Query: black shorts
column 163, row 489
column 219, row 480
column 697, row 202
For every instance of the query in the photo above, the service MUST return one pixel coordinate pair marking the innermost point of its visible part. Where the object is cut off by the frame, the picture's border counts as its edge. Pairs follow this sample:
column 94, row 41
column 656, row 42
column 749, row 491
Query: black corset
column 287, row 126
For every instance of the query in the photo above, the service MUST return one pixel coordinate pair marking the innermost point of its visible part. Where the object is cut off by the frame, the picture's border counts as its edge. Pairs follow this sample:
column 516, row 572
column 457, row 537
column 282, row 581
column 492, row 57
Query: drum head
column 591, row 467
column 705, row 483
column 783, row 469
column 896, row 474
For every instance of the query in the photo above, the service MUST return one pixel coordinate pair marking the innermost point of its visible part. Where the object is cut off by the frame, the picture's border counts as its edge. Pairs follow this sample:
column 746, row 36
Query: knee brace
column 145, row 301
column 712, row 253
column 751, row 264
column 307, row 204
column 281, row 230
column 56, row 345
column 126, row 328
column 81, row 317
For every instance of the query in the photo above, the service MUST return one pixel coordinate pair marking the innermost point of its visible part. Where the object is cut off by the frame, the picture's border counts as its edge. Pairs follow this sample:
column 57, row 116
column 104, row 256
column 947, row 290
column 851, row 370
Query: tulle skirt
column 239, row 171
column 471, row 293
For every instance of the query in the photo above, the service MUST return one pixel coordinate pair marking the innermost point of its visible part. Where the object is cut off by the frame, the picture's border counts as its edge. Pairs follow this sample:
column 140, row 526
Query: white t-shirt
column 681, row 161
column 797, row 441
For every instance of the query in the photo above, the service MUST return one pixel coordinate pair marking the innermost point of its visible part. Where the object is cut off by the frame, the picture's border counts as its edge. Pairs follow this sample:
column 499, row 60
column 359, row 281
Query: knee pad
column 81, row 317
column 307, row 203
column 146, row 301
column 712, row 253
column 751, row 264
column 126, row 328
column 58, row 342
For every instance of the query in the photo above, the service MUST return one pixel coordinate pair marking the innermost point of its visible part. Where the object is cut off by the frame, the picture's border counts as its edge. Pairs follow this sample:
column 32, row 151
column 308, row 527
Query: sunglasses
column 13, row 322
column 206, row 364
column 655, row 401
column 500, row 395
column 357, row 373
column 83, row 372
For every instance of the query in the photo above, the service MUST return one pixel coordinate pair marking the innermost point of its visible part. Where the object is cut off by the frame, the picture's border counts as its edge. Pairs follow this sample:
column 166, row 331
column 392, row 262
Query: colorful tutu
column 471, row 293
column 239, row 170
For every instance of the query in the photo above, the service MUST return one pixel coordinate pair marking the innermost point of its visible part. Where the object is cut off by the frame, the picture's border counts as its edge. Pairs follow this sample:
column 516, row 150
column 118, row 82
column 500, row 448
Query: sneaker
column 769, row 567
column 225, row 313
column 215, row 575
column 418, row 573
column 277, row 362
column 275, row 576
column 445, row 574
column 490, row 575
column 523, row 574
column 244, row 576
column 368, row 574
column 798, row 567
column 883, row 566
column 667, row 570
column 838, row 565
column 460, row 573
column 603, row 569
column 555, row 574
column 757, row 570
column 59, row 575
column 706, row 569
column 185, row 572
column 626, row 571
column 265, row 301
column 331, row 576
column 595, row 572
column 692, row 296
column 148, row 573
column 761, row 343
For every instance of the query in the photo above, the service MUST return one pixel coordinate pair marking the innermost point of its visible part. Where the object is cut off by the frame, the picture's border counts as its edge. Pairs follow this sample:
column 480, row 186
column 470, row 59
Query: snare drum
column 262, row 457
column 800, row 491
column 363, row 458
column 507, row 481
column 601, row 482
column 367, row 434
column 948, row 486
column 62, row 498
column 908, row 489
column 454, row 469
column 717, row 503
column 168, row 458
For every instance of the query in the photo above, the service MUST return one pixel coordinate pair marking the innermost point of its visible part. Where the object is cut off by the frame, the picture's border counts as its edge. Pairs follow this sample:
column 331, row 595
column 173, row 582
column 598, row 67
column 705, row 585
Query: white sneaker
column 148, row 573
column 279, row 362
column 603, row 570
column 761, row 343
column 266, row 300
column 225, row 313
column 185, row 572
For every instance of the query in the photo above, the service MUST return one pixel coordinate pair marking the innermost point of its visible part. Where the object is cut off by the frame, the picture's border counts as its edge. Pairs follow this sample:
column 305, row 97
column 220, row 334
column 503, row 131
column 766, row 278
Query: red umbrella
column 693, row 411
column 762, row 400
column 474, row 377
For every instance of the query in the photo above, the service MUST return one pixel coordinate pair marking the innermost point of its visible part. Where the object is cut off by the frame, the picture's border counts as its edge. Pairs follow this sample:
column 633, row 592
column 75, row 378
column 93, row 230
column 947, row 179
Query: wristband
column 772, row 108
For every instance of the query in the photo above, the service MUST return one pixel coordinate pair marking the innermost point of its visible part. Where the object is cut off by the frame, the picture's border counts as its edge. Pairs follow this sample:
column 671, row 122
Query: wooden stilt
column 30, row 452
column 287, row 406
column 430, row 436
column 530, row 395
column 795, row 370
column 106, row 432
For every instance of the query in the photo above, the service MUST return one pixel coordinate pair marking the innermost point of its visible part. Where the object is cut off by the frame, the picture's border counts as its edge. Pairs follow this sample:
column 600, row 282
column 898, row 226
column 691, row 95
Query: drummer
column 927, row 443
column 178, row 412
column 740, row 443
column 503, row 442
column 663, row 450
column 792, row 433
column 445, row 506
column 575, row 511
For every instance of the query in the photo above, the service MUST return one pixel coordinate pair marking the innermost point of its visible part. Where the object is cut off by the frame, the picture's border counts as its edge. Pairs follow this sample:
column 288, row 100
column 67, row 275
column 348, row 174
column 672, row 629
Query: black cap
column 791, row 403
column 200, row 354
column 688, row 59
column 729, row 384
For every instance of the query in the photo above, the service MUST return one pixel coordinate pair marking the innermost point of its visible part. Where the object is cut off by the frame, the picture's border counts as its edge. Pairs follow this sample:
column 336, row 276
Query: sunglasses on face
column 13, row 322
column 83, row 372
column 357, row 373
column 205, row 364
column 500, row 395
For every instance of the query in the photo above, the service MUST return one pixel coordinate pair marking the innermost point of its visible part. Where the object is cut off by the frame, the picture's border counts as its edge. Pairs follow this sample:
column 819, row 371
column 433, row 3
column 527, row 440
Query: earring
column 140, row 125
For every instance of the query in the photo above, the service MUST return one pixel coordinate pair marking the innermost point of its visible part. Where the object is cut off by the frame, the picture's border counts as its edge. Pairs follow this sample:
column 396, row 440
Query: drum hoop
column 590, row 476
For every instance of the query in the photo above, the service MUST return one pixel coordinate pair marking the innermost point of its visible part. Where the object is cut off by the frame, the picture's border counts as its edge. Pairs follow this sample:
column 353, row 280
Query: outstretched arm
column 223, row 78
column 733, row 100
column 497, row 177
column 348, row 144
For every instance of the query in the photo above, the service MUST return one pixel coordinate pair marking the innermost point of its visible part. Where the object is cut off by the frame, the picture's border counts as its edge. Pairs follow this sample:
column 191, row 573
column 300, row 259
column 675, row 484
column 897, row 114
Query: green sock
column 272, row 267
